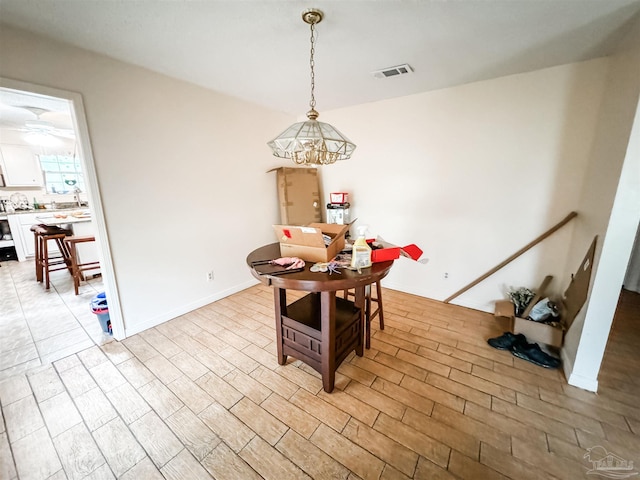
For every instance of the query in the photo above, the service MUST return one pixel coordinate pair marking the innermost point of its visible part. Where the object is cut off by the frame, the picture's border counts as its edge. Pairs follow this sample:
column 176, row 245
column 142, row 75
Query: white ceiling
column 16, row 108
column 23, row 114
column 259, row 50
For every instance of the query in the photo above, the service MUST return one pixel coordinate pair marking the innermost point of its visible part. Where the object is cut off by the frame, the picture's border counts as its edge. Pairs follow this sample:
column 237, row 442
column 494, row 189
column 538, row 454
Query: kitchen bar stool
column 78, row 269
column 368, row 314
column 45, row 261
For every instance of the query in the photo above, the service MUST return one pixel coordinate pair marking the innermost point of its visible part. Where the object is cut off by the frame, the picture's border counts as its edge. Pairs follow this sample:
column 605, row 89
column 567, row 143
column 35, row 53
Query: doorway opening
column 53, row 123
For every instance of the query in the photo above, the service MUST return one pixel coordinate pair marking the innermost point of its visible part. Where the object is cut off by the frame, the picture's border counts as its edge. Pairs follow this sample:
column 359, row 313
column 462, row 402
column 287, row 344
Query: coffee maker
column 338, row 209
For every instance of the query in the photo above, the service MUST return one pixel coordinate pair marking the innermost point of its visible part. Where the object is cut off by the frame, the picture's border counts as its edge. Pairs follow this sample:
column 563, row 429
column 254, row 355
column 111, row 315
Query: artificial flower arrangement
column 521, row 297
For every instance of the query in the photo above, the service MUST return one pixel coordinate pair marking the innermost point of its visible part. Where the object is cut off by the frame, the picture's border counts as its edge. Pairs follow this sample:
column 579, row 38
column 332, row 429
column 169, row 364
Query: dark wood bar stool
column 368, row 314
column 78, row 269
column 45, row 261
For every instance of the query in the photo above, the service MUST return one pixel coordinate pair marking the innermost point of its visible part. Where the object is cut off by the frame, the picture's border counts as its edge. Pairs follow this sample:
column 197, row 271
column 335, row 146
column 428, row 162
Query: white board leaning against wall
column 632, row 278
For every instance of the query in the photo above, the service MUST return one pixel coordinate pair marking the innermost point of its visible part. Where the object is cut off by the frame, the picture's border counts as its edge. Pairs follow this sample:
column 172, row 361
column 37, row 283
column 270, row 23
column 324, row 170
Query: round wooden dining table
column 320, row 329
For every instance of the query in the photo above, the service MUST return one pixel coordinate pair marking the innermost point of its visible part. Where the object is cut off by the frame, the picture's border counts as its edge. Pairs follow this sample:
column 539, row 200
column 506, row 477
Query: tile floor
column 40, row 326
column 202, row 396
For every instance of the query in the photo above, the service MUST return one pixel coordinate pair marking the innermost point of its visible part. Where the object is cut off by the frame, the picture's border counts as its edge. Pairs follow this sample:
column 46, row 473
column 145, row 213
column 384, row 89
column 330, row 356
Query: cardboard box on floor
column 307, row 242
column 571, row 303
column 535, row 332
column 298, row 195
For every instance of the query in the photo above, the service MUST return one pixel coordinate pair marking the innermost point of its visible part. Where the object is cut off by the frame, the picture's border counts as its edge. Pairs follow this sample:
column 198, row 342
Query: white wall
column 473, row 173
column 610, row 208
column 181, row 169
column 632, row 277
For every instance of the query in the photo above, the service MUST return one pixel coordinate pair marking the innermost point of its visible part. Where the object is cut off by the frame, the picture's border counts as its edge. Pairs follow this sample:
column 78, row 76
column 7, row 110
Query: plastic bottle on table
column 361, row 253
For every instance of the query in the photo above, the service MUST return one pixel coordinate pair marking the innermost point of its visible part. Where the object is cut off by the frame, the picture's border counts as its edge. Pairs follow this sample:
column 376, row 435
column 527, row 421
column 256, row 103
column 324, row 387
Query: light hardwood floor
column 202, row 396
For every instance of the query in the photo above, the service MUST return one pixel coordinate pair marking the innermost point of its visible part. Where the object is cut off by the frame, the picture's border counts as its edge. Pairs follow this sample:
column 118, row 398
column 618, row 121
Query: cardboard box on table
column 571, row 303
column 307, row 242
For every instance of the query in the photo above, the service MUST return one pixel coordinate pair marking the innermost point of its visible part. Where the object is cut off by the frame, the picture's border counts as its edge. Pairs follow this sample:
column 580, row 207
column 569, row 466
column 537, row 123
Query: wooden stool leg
column 75, row 273
column 379, row 300
column 72, row 260
column 359, row 301
column 45, row 261
column 65, row 252
column 367, row 315
column 38, row 260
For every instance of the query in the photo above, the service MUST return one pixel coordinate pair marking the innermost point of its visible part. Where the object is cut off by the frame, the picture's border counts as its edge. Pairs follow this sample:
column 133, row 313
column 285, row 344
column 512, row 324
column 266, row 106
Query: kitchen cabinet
column 20, row 225
column 21, row 167
column 5, row 230
column 299, row 195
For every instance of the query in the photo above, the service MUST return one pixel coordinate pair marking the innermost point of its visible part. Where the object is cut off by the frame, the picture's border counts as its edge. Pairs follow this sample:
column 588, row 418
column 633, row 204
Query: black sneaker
column 531, row 352
column 507, row 340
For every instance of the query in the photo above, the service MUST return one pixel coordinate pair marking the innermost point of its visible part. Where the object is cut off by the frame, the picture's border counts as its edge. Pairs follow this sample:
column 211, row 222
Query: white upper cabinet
column 20, row 166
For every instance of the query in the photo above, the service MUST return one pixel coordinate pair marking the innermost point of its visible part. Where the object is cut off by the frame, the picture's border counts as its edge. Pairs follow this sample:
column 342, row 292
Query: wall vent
column 393, row 71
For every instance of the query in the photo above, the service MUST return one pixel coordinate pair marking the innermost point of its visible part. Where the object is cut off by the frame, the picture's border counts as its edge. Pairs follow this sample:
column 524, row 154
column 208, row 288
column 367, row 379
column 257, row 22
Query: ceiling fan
column 42, row 128
column 37, row 131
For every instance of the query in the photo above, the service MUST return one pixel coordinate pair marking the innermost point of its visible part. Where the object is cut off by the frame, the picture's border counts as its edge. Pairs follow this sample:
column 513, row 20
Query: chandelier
column 312, row 142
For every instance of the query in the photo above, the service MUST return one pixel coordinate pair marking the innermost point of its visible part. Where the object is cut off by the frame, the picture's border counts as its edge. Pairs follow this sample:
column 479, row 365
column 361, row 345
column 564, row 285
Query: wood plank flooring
column 202, row 396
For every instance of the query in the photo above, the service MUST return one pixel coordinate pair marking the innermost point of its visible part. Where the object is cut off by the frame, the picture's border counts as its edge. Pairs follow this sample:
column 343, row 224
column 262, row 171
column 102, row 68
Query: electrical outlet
column 210, row 276
column 446, row 275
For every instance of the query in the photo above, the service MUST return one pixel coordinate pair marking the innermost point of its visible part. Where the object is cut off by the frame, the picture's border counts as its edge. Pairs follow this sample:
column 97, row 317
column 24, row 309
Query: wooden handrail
column 529, row 245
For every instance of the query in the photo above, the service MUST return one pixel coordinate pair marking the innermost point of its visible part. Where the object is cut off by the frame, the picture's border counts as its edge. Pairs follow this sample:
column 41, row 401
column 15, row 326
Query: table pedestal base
column 301, row 332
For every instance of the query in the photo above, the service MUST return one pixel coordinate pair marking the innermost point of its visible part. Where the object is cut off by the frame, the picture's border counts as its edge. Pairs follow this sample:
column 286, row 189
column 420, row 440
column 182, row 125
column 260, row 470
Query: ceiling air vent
column 393, row 71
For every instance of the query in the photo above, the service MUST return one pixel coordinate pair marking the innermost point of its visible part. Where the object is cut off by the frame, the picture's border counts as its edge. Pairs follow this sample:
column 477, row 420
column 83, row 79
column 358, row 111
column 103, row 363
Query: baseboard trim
column 567, row 364
column 154, row 322
column 585, row 383
column 574, row 379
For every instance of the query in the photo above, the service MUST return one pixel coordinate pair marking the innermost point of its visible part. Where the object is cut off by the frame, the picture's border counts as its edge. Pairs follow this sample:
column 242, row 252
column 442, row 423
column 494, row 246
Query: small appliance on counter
column 19, row 201
column 338, row 209
column 6, row 205
column 338, row 213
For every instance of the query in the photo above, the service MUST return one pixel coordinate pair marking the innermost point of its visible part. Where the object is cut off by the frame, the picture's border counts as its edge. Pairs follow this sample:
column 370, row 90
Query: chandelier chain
column 312, row 102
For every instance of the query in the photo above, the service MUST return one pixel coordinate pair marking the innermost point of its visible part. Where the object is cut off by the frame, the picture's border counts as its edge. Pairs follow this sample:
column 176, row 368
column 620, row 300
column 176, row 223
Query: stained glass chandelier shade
column 312, row 142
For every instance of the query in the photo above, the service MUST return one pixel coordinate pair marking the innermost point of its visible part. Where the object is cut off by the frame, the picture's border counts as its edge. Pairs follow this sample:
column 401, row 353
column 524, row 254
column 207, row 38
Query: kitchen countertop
column 52, row 216
column 45, row 210
column 58, row 216
column 51, row 220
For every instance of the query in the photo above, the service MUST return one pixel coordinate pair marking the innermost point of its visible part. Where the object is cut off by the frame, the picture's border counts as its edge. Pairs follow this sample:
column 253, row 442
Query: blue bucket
column 100, row 308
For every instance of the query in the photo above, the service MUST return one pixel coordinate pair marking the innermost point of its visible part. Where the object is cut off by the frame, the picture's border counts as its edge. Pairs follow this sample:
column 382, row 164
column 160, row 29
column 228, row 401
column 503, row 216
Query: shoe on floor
column 507, row 340
column 532, row 353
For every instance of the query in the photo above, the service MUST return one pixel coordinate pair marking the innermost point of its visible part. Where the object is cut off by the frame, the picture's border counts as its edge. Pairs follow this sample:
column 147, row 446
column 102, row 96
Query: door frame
column 93, row 191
